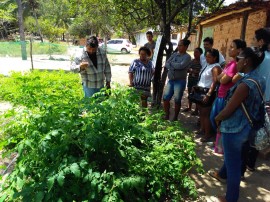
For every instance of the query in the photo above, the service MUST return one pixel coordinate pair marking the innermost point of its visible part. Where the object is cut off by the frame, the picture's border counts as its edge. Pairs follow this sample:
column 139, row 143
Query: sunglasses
column 239, row 57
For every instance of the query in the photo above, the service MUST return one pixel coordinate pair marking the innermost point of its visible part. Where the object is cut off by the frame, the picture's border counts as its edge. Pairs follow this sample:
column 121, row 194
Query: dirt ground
column 255, row 187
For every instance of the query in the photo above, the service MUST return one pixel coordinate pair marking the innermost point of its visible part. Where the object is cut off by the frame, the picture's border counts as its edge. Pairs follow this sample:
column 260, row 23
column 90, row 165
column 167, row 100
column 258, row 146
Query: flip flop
column 186, row 110
column 194, row 113
column 214, row 174
column 206, row 139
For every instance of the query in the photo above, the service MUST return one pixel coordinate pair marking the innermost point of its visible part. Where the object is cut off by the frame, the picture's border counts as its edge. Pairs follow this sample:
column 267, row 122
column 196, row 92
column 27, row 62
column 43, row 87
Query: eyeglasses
column 239, row 57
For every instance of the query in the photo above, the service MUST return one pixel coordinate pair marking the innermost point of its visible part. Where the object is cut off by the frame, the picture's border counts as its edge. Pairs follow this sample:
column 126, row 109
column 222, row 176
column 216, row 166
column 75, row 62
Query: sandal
column 194, row 113
column 221, row 199
column 214, row 174
column 251, row 169
column 186, row 110
column 206, row 139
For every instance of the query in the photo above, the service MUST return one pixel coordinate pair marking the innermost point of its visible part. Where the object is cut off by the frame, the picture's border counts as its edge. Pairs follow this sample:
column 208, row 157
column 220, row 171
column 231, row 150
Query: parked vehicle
column 118, row 45
column 174, row 43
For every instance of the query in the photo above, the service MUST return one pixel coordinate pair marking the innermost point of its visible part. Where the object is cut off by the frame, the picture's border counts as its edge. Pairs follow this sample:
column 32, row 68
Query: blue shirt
column 142, row 74
column 253, row 103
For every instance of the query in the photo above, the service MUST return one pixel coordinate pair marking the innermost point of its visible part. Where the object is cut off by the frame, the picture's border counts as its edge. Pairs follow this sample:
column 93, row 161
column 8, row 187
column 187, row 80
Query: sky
column 228, row 2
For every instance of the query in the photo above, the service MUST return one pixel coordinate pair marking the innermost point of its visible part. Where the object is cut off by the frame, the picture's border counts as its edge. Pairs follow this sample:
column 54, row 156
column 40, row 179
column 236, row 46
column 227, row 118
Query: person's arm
column 215, row 72
column 183, row 63
column 224, row 78
column 130, row 76
column 239, row 95
column 77, row 65
column 131, row 73
column 169, row 61
column 236, row 78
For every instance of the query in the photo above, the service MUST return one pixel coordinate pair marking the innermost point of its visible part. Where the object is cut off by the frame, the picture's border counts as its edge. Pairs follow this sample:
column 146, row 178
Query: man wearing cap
column 94, row 67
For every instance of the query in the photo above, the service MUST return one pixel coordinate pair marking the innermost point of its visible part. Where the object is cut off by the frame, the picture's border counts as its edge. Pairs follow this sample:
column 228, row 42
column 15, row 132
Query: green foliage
column 97, row 149
column 13, row 49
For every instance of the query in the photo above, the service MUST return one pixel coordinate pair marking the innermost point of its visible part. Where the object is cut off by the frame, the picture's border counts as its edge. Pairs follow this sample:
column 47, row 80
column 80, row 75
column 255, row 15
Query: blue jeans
column 231, row 169
column 217, row 107
column 89, row 92
column 176, row 88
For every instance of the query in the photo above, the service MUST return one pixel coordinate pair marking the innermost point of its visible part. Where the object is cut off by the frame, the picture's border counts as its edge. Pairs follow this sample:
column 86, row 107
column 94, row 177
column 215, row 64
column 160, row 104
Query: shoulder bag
column 259, row 137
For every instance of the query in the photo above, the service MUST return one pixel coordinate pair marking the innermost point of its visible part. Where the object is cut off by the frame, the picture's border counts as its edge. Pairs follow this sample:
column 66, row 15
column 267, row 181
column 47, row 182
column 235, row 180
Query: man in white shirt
column 208, row 44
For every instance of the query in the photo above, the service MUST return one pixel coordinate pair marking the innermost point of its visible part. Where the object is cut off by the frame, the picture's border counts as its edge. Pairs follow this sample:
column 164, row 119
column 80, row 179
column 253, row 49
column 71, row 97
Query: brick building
column 239, row 20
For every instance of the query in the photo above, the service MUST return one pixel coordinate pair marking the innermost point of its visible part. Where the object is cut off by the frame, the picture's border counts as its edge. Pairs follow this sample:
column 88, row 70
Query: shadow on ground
column 255, row 186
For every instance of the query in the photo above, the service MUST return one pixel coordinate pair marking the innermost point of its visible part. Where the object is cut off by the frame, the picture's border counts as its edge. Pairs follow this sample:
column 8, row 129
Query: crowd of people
column 223, row 89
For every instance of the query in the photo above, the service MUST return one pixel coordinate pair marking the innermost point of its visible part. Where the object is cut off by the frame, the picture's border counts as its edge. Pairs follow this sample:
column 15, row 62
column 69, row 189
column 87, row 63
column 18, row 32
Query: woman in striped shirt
column 140, row 73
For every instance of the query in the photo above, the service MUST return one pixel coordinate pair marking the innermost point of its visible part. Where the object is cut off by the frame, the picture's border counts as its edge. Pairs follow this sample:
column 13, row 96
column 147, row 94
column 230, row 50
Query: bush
column 13, row 49
column 97, row 149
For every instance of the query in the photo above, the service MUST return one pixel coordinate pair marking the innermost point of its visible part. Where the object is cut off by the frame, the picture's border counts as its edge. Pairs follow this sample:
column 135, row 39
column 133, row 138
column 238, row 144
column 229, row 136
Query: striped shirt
column 142, row 74
column 93, row 77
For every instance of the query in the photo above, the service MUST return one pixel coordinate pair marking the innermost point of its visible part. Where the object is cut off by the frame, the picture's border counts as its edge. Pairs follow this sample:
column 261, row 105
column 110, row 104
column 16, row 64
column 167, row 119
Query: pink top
column 230, row 70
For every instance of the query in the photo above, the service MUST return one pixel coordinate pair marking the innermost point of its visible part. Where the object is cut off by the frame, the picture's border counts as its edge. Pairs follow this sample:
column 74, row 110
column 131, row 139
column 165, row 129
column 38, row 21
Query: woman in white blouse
column 208, row 83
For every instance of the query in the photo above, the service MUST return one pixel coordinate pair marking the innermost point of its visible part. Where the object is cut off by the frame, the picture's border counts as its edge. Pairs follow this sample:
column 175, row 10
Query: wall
column 226, row 30
column 256, row 20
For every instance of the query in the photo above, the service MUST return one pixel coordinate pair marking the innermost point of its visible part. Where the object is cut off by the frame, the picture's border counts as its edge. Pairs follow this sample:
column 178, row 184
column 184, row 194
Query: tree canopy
column 103, row 17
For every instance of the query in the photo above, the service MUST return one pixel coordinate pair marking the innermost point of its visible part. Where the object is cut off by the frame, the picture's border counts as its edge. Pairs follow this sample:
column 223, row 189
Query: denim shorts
column 176, row 88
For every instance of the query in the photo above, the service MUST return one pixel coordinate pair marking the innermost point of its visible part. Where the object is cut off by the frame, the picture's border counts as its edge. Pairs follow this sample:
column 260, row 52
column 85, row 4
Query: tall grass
column 13, row 49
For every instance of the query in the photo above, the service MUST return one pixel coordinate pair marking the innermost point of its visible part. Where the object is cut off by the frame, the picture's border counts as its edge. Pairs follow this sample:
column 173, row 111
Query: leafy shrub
column 97, row 149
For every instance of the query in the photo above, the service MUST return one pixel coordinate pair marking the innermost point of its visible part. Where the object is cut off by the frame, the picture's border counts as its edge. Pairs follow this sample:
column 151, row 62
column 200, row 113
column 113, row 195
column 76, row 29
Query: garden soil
column 254, row 188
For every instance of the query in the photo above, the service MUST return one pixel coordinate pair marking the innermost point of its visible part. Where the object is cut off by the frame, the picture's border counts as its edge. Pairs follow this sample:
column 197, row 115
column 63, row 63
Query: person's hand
column 218, row 122
column 205, row 99
column 267, row 107
column 83, row 65
column 193, row 89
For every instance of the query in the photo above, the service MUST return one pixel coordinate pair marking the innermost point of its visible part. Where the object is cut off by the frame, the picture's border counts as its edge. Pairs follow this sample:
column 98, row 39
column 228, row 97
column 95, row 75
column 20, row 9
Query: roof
column 236, row 8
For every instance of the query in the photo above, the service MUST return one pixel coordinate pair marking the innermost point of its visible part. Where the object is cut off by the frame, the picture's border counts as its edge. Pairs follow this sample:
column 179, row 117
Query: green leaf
column 39, row 196
column 60, row 179
column 50, row 183
column 20, row 183
column 75, row 169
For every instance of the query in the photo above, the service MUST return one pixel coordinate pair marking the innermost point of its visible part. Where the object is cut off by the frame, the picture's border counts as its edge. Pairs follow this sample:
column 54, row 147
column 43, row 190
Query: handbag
column 198, row 94
column 259, row 137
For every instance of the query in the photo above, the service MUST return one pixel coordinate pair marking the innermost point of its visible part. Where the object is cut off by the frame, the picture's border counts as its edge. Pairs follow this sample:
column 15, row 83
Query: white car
column 174, row 43
column 118, row 45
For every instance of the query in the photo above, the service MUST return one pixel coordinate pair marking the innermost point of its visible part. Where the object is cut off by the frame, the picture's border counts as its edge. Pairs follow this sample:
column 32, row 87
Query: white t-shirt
column 205, row 76
column 204, row 63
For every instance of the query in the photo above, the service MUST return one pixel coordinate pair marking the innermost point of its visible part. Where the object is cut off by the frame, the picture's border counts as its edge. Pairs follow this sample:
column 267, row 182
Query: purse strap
column 259, row 88
column 244, row 107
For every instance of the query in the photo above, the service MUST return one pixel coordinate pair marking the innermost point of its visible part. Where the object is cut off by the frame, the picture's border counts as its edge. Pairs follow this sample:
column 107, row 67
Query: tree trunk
column 160, row 77
column 39, row 30
column 21, row 28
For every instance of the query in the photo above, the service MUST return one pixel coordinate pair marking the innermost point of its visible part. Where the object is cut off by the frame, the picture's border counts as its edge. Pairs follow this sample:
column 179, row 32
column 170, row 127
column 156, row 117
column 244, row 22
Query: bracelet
column 208, row 94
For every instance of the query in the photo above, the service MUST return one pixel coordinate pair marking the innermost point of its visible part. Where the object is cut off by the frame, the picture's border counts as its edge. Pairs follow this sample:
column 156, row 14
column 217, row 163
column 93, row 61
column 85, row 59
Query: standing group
column 224, row 89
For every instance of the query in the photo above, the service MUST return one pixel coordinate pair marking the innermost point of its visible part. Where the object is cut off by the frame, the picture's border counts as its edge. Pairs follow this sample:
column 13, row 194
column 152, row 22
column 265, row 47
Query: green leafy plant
column 98, row 149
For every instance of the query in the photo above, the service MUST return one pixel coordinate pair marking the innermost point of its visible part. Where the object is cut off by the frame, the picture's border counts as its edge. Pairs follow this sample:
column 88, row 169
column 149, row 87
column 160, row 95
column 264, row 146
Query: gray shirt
column 151, row 46
column 177, row 66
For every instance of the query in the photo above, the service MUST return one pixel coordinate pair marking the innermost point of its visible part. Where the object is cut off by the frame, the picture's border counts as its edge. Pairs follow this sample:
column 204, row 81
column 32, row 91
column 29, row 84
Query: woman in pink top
column 226, row 79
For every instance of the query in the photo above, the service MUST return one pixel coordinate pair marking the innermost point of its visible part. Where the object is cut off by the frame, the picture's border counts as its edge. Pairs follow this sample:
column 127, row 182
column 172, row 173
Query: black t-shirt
column 93, row 58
